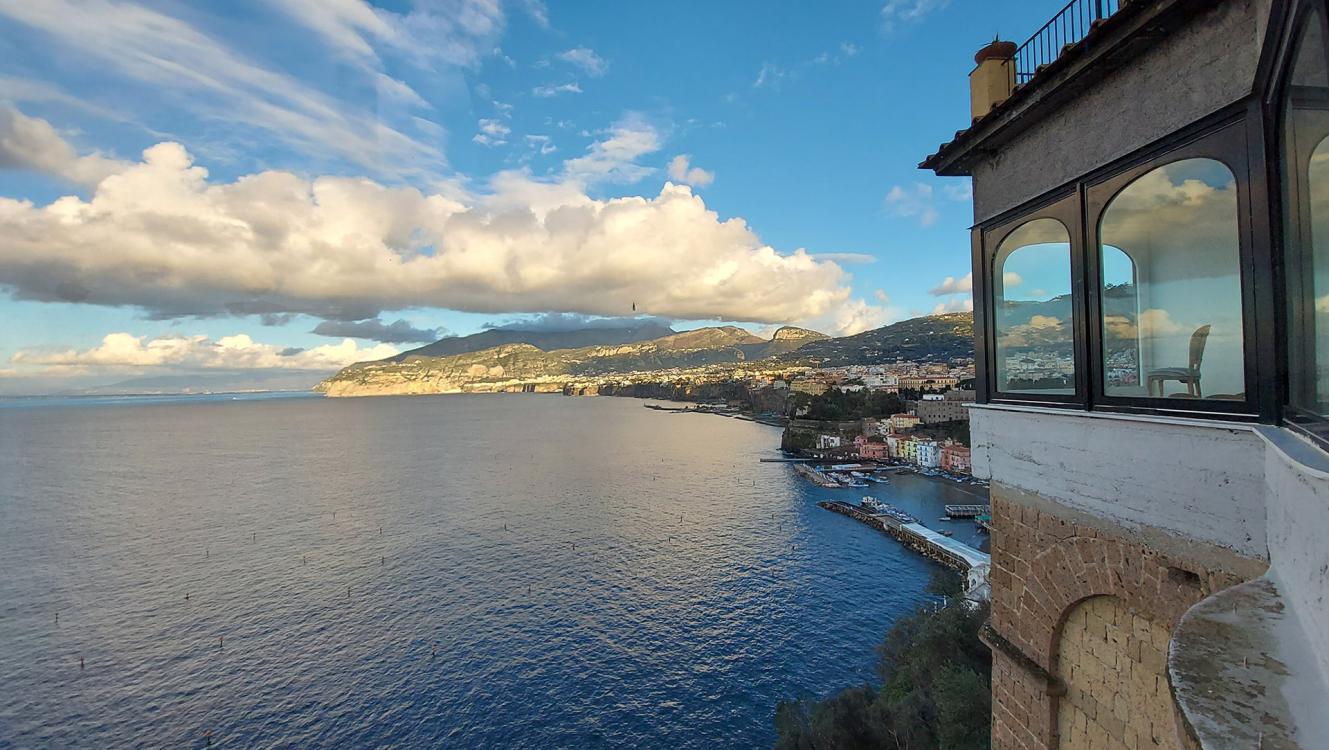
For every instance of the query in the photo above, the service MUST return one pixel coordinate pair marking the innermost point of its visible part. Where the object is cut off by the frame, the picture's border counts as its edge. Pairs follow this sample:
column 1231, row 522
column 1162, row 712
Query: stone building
column 950, row 407
column 1151, row 206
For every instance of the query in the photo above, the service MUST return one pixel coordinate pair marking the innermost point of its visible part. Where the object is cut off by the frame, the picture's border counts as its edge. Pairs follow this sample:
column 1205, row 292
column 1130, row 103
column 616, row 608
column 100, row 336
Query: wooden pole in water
column 80, row 664
column 221, row 641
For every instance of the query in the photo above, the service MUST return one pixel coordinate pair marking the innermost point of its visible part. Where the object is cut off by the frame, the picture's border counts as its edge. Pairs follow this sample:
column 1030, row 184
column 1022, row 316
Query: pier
column 915, row 536
column 814, row 476
column 966, row 511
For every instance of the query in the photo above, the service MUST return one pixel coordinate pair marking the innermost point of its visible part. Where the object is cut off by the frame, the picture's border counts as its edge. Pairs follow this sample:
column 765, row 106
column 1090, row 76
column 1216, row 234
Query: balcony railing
column 1066, row 28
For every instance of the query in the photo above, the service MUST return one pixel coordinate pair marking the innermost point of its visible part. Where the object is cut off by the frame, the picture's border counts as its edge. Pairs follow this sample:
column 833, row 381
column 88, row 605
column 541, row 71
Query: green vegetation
column 933, row 338
column 935, row 692
column 838, row 406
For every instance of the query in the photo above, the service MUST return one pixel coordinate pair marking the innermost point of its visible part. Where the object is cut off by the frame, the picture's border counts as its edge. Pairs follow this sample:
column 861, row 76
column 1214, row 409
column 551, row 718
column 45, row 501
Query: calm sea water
column 459, row 571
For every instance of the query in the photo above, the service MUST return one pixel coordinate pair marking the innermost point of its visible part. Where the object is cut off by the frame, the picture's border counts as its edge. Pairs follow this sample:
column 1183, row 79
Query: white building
column 826, row 442
column 929, row 454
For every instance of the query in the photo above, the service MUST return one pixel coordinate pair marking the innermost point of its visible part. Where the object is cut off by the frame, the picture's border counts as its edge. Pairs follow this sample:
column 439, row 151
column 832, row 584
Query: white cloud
column 162, row 237
column 586, row 59
column 31, row 143
column 882, row 296
column 958, row 304
column 455, row 32
column 121, row 351
column 681, row 171
column 492, row 133
column 554, row 90
column 174, row 59
column 959, row 191
column 952, row 285
column 908, row 11
column 846, row 257
column 1009, row 279
column 769, row 75
column 541, row 144
column 915, row 202
column 849, row 49
column 613, row 159
column 857, row 316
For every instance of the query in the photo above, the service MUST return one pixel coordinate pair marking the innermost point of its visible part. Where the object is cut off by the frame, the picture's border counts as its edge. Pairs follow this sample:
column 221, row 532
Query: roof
column 1135, row 23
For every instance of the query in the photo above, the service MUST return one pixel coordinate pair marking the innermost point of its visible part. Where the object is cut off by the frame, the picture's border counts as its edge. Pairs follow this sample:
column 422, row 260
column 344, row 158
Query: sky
column 294, row 185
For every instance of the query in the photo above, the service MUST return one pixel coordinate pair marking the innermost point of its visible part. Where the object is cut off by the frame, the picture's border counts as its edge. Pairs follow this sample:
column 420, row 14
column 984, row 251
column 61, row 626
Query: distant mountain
column 934, row 338
column 414, row 372
column 543, row 340
column 228, row 381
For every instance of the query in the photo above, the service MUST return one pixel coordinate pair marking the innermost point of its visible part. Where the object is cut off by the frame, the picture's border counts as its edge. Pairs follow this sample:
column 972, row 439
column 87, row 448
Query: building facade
column 1152, row 416
column 955, row 458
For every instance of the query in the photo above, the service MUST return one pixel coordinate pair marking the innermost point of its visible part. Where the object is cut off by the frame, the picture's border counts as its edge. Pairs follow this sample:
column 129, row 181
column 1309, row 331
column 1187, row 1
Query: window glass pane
column 1306, row 201
column 1031, row 295
column 1171, row 285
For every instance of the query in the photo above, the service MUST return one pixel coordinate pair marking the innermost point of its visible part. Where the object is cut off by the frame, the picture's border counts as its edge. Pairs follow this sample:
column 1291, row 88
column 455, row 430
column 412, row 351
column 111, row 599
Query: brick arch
column 1079, row 567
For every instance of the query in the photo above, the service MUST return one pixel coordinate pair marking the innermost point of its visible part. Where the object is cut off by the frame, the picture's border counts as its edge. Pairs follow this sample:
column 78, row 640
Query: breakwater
column 915, row 536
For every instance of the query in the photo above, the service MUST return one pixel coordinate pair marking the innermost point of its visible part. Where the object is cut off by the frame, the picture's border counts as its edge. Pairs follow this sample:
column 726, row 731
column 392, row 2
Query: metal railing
column 1067, row 27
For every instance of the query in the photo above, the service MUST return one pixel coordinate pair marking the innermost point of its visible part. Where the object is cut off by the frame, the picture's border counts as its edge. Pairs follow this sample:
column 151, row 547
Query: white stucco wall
column 1259, row 491
column 1297, row 475
column 1198, row 479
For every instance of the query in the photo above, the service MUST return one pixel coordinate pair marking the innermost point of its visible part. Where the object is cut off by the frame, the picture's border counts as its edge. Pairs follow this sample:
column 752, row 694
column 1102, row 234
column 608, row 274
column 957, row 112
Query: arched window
column 1306, row 223
column 1171, row 285
column 1031, row 293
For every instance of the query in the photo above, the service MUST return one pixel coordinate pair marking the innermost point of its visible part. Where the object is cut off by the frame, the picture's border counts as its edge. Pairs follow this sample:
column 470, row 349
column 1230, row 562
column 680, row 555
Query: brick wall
column 1081, row 616
column 1113, row 662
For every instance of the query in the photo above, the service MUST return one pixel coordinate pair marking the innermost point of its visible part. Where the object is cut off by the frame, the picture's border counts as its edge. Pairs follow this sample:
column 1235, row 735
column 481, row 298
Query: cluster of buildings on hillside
column 896, row 437
column 890, row 378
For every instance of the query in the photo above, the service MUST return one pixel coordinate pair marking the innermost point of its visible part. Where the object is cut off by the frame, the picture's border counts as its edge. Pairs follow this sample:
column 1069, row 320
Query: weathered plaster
column 1201, row 480
column 1201, row 68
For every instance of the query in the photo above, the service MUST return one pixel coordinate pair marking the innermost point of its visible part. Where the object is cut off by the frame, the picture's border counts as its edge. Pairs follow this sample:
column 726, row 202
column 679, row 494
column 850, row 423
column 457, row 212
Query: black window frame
column 1282, row 45
column 1227, row 136
column 1226, row 144
column 1063, row 207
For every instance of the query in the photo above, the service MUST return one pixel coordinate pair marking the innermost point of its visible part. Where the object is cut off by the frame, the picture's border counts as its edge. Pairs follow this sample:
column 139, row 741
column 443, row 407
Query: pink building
column 955, row 458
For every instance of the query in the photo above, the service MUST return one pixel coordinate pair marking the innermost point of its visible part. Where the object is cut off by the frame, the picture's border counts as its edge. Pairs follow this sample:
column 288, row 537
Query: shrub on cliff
column 935, row 690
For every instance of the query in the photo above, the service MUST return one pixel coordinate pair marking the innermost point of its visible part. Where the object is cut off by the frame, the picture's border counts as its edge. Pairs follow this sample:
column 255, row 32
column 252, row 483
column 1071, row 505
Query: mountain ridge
column 930, row 337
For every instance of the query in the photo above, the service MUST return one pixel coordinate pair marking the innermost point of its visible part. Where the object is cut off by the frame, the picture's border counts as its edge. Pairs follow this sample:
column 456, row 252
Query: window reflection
column 1306, row 198
column 1032, row 310
column 1171, row 285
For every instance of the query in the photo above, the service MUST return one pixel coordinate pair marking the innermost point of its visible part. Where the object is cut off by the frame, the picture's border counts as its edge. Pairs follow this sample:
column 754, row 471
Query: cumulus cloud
column 915, row 202
column 121, row 351
column 586, row 59
column 953, row 285
column 161, row 236
column 554, row 90
column 541, row 144
column 32, row 143
column 1009, row 280
column 373, row 329
column 681, row 171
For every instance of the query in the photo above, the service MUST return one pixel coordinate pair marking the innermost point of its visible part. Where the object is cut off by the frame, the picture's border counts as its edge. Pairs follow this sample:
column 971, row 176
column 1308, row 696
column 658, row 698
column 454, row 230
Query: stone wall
column 1056, row 660
column 1113, row 661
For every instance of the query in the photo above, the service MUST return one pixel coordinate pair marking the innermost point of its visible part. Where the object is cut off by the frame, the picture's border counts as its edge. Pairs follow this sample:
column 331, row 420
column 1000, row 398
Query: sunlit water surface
column 460, row 571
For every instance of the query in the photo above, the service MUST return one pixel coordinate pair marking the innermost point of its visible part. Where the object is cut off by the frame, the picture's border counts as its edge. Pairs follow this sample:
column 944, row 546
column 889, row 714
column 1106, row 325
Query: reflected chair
column 1189, row 375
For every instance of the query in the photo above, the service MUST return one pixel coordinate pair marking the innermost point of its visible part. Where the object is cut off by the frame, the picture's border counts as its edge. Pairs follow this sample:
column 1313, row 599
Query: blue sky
column 413, row 168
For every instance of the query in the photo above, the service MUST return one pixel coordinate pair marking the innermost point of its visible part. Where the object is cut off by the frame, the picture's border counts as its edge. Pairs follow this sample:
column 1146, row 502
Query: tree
column 935, row 687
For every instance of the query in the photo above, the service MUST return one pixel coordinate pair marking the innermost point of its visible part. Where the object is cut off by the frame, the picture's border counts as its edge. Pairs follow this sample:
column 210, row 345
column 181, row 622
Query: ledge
column 1243, row 674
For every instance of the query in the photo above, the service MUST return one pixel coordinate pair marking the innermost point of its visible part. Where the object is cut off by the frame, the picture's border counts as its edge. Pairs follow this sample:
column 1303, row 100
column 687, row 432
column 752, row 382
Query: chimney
column 994, row 78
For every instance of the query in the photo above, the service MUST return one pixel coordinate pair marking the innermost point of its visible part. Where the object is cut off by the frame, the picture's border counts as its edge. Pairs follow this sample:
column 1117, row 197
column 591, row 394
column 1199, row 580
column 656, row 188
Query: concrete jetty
column 917, row 537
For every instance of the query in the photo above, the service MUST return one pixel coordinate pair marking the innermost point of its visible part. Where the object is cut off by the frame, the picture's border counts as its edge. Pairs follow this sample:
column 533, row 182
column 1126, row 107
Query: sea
column 470, row 571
